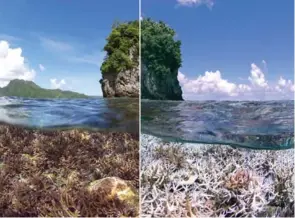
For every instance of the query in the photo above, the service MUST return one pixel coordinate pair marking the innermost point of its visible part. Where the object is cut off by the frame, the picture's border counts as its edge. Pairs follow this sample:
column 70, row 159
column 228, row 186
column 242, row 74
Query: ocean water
column 117, row 114
column 256, row 125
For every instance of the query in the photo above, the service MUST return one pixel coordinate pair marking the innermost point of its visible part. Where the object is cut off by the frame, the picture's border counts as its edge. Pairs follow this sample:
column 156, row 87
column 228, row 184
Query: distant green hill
column 28, row 89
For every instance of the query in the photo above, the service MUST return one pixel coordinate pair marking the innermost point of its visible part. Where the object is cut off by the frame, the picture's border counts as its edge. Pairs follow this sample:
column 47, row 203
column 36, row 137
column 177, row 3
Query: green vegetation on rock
column 28, row 89
column 122, row 43
column 161, row 59
column 159, row 50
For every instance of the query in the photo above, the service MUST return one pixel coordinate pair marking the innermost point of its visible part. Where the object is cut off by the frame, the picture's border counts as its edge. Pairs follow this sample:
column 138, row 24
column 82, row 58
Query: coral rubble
column 197, row 180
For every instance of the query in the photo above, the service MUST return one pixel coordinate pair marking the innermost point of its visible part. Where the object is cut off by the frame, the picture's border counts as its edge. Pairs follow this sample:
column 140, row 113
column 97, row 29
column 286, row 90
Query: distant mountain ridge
column 28, row 89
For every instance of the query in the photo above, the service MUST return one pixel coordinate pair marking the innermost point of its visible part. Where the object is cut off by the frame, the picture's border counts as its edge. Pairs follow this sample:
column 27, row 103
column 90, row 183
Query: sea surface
column 256, row 125
column 116, row 114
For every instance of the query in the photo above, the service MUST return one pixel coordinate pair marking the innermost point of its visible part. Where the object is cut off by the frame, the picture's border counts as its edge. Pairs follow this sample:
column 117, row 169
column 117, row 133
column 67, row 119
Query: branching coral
column 214, row 181
column 46, row 173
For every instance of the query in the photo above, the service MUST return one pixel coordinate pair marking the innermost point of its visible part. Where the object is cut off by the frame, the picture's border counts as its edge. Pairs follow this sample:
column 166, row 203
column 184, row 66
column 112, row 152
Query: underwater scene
column 256, row 124
column 217, row 109
column 217, row 158
column 95, row 113
column 69, row 109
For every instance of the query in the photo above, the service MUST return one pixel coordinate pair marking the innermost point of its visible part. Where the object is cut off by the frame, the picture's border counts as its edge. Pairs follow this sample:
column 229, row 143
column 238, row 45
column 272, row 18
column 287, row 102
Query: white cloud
column 74, row 82
column 54, row 45
column 208, row 3
column 181, row 78
column 12, row 65
column 42, row 68
column 71, row 53
column 284, row 86
column 211, row 86
column 94, row 59
column 55, row 84
column 257, row 77
column 9, row 38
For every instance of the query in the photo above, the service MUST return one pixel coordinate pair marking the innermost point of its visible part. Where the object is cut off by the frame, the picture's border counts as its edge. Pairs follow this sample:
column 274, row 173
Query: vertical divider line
column 294, row 78
column 139, row 105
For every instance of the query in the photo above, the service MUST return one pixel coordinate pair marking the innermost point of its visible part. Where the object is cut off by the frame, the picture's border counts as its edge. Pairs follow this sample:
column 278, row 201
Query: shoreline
column 68, row 172
column 198, row 180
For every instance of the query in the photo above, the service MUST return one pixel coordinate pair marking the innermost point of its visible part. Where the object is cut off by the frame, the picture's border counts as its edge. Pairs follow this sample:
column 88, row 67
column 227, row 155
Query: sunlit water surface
column 257, row 125
column 117, row 114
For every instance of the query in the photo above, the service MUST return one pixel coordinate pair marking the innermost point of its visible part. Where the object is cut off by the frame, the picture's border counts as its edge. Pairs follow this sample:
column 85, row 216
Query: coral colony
column 179, row 180
column 68, row 173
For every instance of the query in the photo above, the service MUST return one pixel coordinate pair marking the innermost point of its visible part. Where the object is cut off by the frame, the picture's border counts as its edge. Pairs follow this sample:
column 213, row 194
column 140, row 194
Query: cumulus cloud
column 208, row 3
column 284, row 86
column 257, row 77
column 12, row 65
column 211, row 86
column 55, row 84
column 42, row 68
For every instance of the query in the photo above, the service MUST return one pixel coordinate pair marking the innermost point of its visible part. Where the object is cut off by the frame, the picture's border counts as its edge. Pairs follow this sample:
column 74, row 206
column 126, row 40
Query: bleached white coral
column 181, row 180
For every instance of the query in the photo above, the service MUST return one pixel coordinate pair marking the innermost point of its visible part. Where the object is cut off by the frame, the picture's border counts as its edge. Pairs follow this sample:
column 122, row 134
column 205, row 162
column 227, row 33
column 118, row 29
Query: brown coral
column 240, row 179
column 46, row 173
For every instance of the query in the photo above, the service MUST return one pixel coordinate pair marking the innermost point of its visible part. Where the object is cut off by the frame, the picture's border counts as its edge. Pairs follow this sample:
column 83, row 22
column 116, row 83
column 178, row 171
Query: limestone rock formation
column 122, row 84
column 153, row 86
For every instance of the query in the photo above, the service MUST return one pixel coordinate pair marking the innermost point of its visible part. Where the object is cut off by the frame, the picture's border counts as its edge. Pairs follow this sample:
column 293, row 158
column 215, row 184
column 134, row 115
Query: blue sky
column 58, row 43
column 232, row 40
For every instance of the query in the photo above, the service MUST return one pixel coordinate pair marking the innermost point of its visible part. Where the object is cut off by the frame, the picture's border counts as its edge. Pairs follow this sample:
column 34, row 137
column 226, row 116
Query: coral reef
column 58, row 172
column 197, row 180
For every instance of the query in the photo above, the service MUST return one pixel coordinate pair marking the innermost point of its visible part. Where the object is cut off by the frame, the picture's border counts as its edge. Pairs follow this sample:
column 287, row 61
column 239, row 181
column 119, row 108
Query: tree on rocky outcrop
column 161, row 59
column 120, row 67
column 123, row 40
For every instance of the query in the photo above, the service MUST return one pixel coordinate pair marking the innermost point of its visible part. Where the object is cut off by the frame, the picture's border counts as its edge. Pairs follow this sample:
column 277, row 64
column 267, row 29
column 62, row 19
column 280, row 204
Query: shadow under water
column 255, row 125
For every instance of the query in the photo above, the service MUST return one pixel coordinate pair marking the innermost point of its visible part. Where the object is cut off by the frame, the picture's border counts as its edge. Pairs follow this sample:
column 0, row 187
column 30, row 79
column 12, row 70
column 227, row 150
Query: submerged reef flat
column 68, row 173
column 197, row 180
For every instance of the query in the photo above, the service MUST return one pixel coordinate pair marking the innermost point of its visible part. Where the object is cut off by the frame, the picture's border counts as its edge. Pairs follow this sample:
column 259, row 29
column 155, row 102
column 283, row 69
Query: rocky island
column 160, row 61
column 120, row 69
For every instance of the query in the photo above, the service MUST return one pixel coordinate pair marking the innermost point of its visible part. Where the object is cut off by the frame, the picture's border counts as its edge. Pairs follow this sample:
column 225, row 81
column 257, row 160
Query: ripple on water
column 257, row 125
column 91, row 113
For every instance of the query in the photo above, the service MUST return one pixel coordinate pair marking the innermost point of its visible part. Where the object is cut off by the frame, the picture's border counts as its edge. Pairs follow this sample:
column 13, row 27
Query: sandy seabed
column 68, row 173
column 197, row 180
